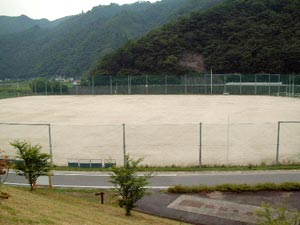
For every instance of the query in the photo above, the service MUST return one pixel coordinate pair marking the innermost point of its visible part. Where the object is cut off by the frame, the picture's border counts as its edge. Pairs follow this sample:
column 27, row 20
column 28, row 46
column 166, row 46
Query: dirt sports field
column 163, row 129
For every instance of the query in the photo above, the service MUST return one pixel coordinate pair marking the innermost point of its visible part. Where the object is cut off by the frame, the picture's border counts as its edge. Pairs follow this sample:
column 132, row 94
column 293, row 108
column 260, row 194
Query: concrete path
column 214, row 208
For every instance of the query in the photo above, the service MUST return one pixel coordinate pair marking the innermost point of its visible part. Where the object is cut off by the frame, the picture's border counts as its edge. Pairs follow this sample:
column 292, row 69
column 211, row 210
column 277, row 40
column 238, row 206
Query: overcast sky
column 52, row 9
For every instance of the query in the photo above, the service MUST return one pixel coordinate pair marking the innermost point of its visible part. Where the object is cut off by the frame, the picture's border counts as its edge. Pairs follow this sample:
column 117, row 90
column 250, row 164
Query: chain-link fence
column 233, row 84
column 163, row 144
column 33, row 133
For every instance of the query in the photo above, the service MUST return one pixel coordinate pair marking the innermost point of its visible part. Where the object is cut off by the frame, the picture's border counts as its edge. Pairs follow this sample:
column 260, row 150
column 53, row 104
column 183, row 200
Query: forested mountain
column 245, row 36
column 73, row 46
column 10, row 25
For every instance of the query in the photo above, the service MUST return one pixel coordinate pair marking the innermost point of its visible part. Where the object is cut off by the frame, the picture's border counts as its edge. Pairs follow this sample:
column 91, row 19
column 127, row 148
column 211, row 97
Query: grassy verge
column 287, row 186
column 67, row 207
column 194, row 168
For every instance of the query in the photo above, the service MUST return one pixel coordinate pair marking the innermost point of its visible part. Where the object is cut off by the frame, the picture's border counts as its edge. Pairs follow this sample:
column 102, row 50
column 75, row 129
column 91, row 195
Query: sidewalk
column 214, row 208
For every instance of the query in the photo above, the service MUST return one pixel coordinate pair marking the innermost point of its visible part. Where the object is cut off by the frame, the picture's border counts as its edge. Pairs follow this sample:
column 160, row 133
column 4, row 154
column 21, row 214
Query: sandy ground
column 163, row 129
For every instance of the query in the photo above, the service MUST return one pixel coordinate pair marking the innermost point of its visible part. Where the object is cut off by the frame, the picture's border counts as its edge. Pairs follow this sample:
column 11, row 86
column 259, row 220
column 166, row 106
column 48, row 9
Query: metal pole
column 128, row 85
column 124, row 145
column 46, row 88
column 35, row 86
column 146, row 84
column 18, row 88
column 50, row 142
column 60, row 87
column 205, row 83
column 227, row 140
column 269, row 84
column 225, row 87
column 110, row 81
column 166, row 84
column 293, row 87
column 200, row 144
column 278, row 144
column 278, row 88
column 211, row 82
column 185, row 90
column 290, row 85
column 240, row 84
column 255, row 88
column 93, row 85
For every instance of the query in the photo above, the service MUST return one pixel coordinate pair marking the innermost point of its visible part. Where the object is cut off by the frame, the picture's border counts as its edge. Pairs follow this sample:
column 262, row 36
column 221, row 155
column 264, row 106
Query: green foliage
column 271, row 215
column 10, row 25
column 74, row 46
column 43, row 85
column 287, row 186
column 235, row 36
column 4, row 168
column 129, row 187
column 32, row 163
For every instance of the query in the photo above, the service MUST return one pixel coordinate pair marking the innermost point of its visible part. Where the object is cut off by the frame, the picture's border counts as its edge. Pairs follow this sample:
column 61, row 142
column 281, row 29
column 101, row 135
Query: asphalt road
column 163, row 180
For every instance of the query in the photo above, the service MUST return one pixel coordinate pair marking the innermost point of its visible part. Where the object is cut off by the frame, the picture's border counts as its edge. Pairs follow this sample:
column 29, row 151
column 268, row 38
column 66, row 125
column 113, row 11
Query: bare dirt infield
column 164, row 129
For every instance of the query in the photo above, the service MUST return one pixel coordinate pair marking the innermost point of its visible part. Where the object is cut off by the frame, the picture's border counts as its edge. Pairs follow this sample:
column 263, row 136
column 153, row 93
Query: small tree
column 32, row 163
column 129, row 187
column 4, row 168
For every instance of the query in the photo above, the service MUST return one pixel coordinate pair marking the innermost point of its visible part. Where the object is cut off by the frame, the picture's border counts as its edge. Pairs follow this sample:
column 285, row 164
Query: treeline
column 243, row 36
column 74, row 45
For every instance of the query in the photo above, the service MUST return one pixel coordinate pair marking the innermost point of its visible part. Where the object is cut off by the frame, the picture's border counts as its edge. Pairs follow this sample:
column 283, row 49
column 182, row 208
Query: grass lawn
column 67, row 207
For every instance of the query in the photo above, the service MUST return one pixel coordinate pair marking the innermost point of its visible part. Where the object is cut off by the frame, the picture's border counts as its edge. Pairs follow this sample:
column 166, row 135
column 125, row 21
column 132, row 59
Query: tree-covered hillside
column 245, row 36
column 10, row 25
column 76, row 44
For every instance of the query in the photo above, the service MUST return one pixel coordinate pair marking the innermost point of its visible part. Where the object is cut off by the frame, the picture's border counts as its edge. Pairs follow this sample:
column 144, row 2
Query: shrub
column 271, row 215
column 129, row 187
column 32, row 162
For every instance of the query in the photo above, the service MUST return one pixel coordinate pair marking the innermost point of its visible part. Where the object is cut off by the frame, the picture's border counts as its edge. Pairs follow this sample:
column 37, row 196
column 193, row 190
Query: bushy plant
column 31, row 162
column 4, row 168
column 271, row 215
column 128, row 185
column 287, row 186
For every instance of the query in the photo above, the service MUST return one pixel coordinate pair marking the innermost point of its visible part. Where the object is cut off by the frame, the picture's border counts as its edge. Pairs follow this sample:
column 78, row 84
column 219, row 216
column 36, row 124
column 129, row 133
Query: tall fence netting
column 289, row 148
column 163, row 144
column 35, row 134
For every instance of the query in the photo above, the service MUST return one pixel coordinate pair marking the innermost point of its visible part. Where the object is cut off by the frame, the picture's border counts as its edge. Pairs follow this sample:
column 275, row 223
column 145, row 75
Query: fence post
column 46, row 87
column 146, row 84
column 50, row 142
column 110, row 83
column 205, row 84
column 293, row 87
column 225, row 87
column 278, row 143
column 93, row 85
column 278, row 88
column 240, row 84
column 35, row 86
column 166, row 84
column 185, row 88
column 255, row 87
column 60, row 86
column 18, row 88
column 200, row 145
column 211, row 82
column 227, row 157
column 128, row 86
column 124, row 145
